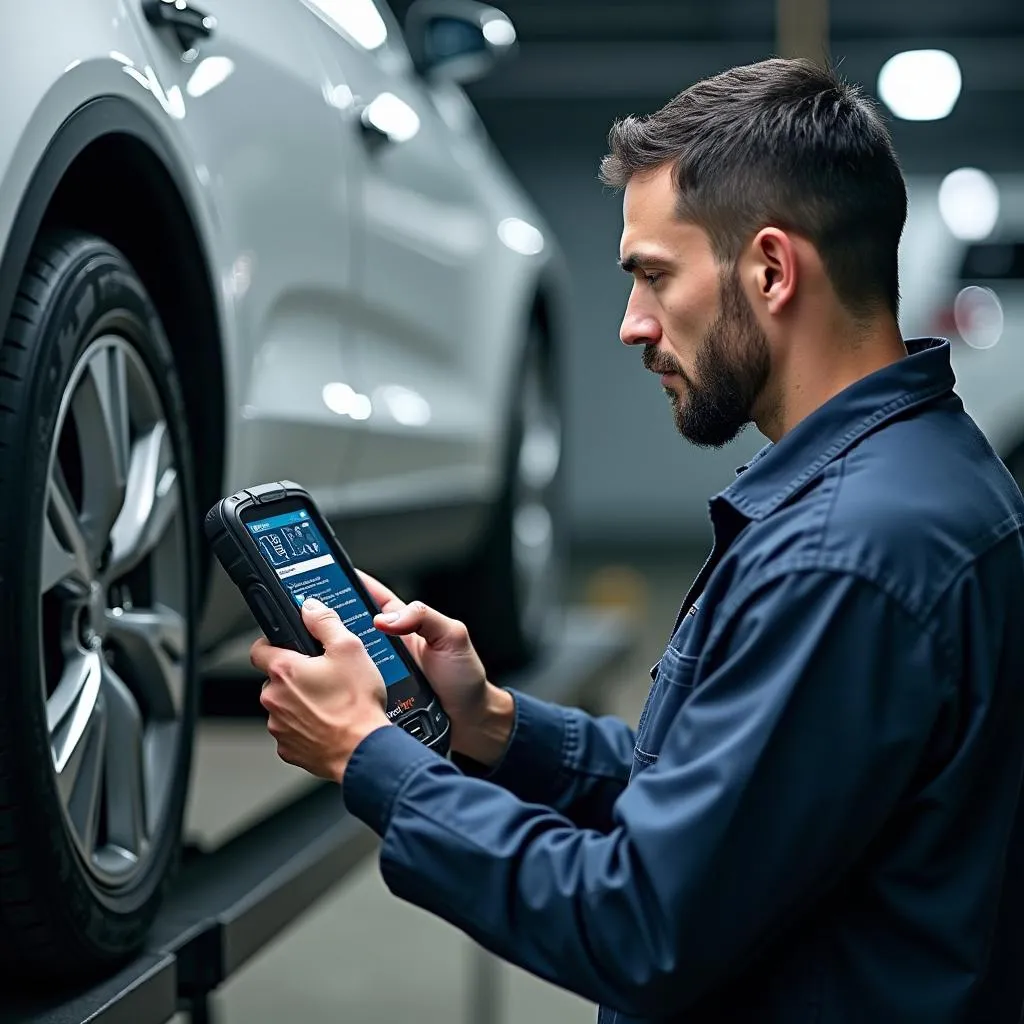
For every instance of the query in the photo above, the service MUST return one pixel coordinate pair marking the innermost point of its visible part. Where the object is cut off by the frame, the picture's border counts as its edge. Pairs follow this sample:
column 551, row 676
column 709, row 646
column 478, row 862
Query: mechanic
column 813, row 820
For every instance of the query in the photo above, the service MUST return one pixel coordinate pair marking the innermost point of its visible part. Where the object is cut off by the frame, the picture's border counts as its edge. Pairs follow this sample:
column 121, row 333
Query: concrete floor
column 338, row 963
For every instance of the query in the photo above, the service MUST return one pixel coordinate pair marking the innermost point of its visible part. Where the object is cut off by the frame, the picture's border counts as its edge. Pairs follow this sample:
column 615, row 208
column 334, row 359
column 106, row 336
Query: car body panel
column 250, row 107
column 438, row 290
column 97, row 54
column 329, row 265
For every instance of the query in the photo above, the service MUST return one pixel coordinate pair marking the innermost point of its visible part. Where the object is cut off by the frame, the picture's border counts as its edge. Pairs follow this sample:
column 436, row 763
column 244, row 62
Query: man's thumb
column 323, row 622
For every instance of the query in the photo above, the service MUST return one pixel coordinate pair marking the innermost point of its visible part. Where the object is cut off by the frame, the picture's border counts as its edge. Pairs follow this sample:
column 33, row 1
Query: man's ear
column 773, row 268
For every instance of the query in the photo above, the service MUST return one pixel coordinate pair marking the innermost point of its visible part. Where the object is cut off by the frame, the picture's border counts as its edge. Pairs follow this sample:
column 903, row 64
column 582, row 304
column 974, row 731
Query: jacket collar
column 777, row 471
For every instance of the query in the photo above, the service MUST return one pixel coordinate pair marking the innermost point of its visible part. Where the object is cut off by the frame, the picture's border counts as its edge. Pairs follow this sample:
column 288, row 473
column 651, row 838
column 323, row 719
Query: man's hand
column 481, row 714
column 320, row 709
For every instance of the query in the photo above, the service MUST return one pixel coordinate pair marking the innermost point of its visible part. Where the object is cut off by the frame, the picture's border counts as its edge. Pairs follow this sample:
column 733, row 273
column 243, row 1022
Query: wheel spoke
column 126, row 812
column 65, row 556
column 153, row 642
column 100, row 409
column 58, row 564
column 66, row 713
column 81, row 782
column 76, row 722
column 151, row 501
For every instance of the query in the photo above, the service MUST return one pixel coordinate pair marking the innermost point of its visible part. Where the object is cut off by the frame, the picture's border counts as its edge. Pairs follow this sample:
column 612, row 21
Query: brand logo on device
column 401, row 707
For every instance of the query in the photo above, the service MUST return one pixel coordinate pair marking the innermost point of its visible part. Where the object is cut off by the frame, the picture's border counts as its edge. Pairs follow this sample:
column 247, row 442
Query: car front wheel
column 98, row 557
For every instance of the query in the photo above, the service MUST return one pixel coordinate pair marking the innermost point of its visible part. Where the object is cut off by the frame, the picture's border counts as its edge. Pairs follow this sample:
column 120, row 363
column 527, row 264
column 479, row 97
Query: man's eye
column 653, row 279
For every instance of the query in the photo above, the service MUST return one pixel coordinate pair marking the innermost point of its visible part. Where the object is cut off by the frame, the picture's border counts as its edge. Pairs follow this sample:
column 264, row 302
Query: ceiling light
column 969, row 203
column 920, row 85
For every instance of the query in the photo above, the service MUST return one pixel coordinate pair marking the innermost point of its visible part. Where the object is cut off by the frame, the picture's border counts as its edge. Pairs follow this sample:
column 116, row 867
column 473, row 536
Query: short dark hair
column 782, row 142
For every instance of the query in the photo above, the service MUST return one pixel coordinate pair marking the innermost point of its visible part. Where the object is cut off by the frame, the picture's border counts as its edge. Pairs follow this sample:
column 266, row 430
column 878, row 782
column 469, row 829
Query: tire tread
column 16, row 896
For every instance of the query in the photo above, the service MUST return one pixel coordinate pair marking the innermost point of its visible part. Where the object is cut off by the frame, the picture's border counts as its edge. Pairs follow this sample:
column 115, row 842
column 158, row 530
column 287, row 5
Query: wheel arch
column 140, row 209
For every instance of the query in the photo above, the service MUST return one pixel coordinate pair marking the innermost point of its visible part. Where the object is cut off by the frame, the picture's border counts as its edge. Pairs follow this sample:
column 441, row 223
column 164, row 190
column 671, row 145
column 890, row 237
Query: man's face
column 693, row 319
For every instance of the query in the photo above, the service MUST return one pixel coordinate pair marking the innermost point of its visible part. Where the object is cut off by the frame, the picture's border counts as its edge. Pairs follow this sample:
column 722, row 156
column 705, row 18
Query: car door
column 423, row 225
column 251, row 103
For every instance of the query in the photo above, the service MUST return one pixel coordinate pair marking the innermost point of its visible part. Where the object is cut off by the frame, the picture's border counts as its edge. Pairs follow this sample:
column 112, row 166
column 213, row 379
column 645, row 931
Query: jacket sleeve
column 564, row 759
column 811, row 710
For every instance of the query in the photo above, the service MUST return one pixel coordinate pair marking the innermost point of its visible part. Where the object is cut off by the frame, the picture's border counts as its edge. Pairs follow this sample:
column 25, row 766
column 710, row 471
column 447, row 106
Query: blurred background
column 384, row 269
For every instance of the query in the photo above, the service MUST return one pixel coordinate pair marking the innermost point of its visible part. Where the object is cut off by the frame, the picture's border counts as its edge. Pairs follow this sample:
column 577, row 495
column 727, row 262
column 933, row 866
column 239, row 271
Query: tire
column 510, row 609
column 98, row 557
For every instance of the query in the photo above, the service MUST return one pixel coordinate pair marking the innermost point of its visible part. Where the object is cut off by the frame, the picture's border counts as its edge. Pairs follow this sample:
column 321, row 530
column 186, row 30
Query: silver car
column 250, row 241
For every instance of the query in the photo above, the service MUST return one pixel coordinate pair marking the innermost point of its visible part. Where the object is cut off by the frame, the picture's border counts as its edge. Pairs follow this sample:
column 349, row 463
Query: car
column 241, row 242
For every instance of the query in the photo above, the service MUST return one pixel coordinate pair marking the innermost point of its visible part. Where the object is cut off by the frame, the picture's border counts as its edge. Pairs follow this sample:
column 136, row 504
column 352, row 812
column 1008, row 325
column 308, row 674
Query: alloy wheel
column 113, row 611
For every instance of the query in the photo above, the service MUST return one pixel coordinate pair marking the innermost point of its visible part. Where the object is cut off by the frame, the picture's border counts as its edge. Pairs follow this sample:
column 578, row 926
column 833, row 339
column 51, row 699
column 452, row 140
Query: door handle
column 184, row 19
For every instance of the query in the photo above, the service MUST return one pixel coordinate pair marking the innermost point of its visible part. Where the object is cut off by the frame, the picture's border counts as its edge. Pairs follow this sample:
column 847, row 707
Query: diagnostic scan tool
column 278, row 550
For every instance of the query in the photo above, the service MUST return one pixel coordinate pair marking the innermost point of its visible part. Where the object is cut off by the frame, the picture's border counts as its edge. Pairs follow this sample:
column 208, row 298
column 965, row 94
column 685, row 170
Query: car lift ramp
column 227, row 904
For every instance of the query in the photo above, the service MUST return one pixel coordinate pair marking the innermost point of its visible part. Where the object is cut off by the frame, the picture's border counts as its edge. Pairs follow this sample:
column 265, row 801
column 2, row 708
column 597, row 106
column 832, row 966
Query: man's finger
column 261, row 654
column 437, row 629
column 324, row 623
column 274, row 662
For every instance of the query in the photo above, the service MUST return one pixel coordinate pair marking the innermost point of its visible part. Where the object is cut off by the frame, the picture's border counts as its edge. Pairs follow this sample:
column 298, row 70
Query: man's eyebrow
column 639, row 261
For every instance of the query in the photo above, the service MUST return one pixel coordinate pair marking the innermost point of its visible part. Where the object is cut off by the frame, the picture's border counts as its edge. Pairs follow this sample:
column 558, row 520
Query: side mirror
column 457, row 40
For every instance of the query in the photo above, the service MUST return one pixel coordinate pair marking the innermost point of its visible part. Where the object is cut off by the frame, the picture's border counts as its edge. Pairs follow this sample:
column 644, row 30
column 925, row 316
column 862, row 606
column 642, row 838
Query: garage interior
column 636, row 494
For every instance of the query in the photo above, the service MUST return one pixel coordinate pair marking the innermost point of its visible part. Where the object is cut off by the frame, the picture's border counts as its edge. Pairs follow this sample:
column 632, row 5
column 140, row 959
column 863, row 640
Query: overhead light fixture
column 920, row 85
column 969, row 203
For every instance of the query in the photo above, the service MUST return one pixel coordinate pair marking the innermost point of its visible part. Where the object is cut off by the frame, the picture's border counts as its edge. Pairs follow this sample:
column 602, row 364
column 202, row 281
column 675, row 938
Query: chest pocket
column 673, row 678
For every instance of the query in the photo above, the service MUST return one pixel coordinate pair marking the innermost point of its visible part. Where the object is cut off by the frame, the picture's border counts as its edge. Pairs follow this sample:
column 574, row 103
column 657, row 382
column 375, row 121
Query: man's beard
column 730, row 372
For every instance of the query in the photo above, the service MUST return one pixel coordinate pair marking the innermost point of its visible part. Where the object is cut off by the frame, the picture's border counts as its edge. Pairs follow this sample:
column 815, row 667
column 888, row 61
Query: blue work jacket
column 813, row 821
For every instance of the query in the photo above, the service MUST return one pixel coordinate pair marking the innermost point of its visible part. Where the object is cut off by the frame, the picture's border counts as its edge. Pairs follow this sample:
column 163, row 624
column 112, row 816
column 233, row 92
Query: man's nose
column 639, row 328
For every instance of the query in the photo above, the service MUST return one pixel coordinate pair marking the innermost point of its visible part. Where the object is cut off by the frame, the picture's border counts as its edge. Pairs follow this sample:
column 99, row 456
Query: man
column 813, row 820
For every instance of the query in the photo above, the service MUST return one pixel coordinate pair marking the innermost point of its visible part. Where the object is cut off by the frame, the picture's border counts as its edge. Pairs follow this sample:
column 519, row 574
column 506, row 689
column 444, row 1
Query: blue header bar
column 285, row 519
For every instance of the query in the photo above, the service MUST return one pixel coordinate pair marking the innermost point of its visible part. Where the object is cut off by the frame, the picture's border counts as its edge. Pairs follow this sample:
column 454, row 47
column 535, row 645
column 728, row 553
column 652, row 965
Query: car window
column 369, row 26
